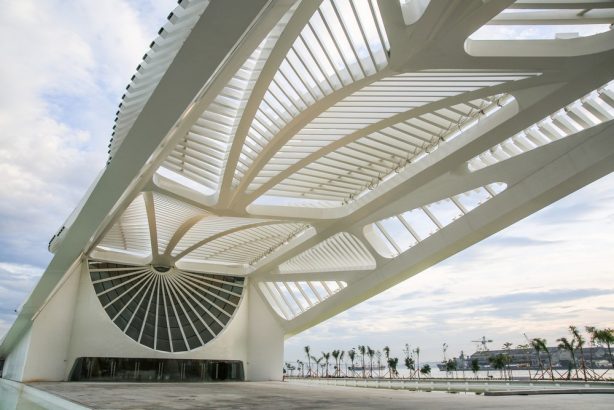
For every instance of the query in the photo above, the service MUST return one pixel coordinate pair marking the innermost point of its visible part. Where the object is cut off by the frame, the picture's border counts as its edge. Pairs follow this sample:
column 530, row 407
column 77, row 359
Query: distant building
column 596, row 357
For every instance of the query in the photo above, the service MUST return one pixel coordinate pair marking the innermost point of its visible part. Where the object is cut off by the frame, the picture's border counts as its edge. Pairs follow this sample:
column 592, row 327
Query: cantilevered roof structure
column 274, row 163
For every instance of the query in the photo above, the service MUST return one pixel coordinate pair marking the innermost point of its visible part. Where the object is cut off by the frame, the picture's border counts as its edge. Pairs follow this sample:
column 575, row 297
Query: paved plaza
column 277, row 395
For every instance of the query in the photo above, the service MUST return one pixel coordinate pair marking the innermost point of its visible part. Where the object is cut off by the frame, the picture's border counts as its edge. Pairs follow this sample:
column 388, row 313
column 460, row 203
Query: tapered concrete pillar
column 265, row 340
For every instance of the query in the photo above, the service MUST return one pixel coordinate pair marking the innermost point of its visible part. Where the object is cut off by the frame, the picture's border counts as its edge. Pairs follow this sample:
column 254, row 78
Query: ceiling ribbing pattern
column 155, row 63
column 201, row 154
column 210, row 227
column 170, row 214
column 343, row 42
column 593, row 109
column 291, row 298
column 248, row 245
column 342, row 251
column 359, row 165
column 130, row 232
column 398, row 233
column 376, row 104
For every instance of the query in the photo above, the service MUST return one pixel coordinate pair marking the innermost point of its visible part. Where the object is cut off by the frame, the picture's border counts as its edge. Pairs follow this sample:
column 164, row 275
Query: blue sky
column 66, row 69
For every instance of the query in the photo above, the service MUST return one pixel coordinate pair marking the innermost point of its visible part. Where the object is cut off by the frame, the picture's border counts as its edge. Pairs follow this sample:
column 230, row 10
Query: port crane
column 482, row 344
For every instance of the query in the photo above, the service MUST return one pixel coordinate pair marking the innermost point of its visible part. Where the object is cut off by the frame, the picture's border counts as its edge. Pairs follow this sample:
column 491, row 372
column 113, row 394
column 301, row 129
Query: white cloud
column 64, row 68
column 16, row 283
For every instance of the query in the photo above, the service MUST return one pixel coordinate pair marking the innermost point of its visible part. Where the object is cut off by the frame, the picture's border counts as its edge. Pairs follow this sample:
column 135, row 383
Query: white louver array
column 584, row 113
column 201, row 155
column 168, row 215
column 162, row 52
column 156, row 224
column 342, row 251
column 359, row 165
column 343, row 42
column 385, row 111
column 210, row 229
column 325, row 146
column 290, row 299
column 395, row 235
column 130, row 232
column 247, row 246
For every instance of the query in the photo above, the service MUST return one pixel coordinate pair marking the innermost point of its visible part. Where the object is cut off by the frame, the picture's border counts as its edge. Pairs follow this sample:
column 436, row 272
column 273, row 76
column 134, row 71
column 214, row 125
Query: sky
column 64, row 69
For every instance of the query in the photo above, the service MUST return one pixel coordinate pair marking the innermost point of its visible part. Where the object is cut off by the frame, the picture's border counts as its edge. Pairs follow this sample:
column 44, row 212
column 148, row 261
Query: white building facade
column 274, row 163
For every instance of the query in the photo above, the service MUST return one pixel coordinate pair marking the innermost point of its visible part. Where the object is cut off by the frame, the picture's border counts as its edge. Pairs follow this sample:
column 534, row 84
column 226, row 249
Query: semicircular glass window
column 165, row 308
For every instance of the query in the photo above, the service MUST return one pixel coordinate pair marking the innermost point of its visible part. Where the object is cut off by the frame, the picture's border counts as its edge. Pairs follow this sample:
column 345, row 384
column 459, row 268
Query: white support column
column 265, row 339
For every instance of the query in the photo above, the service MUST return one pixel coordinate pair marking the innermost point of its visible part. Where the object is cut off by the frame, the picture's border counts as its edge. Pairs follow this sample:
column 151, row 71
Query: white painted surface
column 265, row 340
column 16, row 360
column 51, row 332
column 95, row 335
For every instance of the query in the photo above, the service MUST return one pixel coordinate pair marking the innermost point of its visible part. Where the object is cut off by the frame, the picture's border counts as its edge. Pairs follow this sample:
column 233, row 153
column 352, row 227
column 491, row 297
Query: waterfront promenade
column 292, row 395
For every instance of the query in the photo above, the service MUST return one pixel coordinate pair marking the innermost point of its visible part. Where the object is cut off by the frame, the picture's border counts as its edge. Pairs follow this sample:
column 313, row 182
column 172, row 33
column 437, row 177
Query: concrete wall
column 51, row 331
column 95, row 335
column 16, row 360
column 73, row 324
column 266, row 341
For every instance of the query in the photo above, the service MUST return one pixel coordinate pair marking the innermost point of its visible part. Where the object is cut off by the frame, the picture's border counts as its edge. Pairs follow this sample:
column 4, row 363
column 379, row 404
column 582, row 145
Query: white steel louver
column 131, row 231
column 342, row 43
column 162, row 52
column 211, row 228
column 342, row 251
column 372, row 108
column 396, row 234
column 247, row 246
column 202, row 153
column 170, row 215
column 290, row 299
column 359, row 164
column 166, row 309
column 593, row 109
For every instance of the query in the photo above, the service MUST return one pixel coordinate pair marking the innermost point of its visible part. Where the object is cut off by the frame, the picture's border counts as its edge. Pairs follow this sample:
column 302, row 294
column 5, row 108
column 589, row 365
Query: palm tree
column 392, row 365
column 606, row 336
column 301, row 366
column 317, row 362
column 386, row 350
column 565, row 344
column 378, row 354
column 341, row 354
column 579, row 343
column 336, row 357
column 418, row 363
column 538, row 347
column 362, row 350
column 411, row 365
column 451, row 366
column 542, row 343
column 591, row 332
column 507, row 346
column 352, row 355
column 371, row 354
column 307, row 353
column 426, row 370
column 475, row 367
column 527, row 351
column 498, row 362
column 326, row 357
